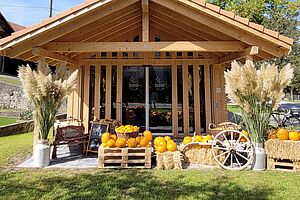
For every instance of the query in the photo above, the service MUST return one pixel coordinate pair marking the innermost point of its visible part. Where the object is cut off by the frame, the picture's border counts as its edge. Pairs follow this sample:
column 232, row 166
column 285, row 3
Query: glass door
column 134, row 96
column 160, row 94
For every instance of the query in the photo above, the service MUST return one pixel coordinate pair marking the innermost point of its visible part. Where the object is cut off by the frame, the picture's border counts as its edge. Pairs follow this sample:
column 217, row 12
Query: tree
column 279, row 15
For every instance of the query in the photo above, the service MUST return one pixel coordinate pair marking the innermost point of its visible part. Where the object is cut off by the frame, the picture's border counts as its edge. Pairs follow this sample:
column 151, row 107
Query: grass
column 234, row 108
column 136, row 184
column 6, row 121
column 10, row 80
column 14, row 149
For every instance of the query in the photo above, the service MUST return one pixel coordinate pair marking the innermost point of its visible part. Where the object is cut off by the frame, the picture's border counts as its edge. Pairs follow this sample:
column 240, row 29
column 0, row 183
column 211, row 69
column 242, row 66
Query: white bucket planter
column 41, row 155
column 259, row 160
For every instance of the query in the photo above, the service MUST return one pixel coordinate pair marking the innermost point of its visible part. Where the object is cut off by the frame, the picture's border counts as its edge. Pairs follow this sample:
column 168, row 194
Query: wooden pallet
column 283, row 164
column 124, row 157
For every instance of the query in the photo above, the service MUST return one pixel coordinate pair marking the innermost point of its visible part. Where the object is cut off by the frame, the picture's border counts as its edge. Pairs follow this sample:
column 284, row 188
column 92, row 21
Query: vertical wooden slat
column 86, row 97
column 77, row 95
column 223, row 95
column 119, row 92
column 97, row 90
column 70, row 104
column 174, row 101
column 217, row 94
column 108, row 92
column 207, row 94
column 196, row 98
column 185, row 96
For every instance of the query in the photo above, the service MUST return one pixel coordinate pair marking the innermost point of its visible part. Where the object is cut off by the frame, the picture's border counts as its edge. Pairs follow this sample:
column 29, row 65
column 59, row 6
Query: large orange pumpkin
column 121, row 142
column 293, row 135
column 148, row 135
column 105, row 137
column 282, row 134
column 111, row 143
column 131, row 142
column 144, row 142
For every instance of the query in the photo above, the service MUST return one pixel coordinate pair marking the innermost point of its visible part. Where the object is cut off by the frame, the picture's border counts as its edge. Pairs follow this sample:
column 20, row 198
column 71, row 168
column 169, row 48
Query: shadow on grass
column 122, row 184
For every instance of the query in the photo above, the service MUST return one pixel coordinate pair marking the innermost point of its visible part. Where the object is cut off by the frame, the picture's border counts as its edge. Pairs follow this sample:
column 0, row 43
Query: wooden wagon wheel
column 232, row 150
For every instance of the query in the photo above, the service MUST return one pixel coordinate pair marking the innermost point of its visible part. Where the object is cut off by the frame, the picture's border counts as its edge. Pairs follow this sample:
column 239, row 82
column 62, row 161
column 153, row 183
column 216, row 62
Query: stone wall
column 12, row 97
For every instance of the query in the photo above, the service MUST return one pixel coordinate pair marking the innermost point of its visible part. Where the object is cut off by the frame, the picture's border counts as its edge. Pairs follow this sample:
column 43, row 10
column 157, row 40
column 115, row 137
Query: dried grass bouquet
column 257, row 92
column 46, row 90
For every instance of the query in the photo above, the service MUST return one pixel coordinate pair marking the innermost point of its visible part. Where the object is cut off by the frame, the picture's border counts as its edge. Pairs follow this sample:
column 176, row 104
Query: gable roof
column 35, row 35
column 6, row 29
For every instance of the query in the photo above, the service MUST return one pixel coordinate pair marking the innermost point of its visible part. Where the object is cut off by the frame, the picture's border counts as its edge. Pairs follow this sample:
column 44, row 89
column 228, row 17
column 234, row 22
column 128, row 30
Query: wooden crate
column 283, row 164
column 124, row 157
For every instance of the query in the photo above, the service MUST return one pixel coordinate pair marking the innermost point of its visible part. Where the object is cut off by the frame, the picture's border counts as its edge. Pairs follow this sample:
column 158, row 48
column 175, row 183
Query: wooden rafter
column 203, row 46
column 251, row 51
column 37, row 51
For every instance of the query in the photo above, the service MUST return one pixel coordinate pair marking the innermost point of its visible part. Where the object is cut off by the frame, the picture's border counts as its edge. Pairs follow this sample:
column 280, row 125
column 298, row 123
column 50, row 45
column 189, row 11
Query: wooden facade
column 194, row 40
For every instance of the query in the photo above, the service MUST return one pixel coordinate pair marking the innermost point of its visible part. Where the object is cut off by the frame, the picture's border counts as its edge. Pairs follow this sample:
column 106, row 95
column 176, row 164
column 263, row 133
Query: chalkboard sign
column 97, row 129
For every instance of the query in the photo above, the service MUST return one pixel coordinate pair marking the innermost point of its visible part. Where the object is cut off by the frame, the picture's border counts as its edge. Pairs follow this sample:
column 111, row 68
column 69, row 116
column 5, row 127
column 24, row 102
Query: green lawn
column 13, row 149
column 6, row 120
column 135, row 184
column 10, row 80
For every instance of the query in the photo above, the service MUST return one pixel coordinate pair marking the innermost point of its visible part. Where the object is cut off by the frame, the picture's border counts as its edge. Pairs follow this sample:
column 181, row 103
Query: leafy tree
column 279, row 15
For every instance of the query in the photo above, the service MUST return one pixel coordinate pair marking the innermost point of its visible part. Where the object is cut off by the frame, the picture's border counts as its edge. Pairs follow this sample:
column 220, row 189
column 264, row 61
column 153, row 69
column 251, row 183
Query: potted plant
column 258, row 93
column 46, row 90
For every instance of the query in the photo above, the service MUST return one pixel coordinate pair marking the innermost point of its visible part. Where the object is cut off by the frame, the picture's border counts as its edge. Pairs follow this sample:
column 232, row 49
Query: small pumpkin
column 147, row 134
column 187, row 140
column 293, row 135
column 157, row 140
column 161, row 149
column 114, row 137
column 105, row 137
column 282, row 134
column 171, row 146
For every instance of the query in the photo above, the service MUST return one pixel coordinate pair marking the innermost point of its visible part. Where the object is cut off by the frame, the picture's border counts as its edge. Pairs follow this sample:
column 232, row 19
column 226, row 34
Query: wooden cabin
column 158, row 64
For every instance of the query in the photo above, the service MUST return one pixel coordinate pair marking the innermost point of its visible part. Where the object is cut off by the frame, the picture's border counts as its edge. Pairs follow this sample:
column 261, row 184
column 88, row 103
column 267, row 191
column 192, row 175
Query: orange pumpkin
column 272, row 134
column 157, row 140
column 161, row 149
column 282, row 134
column 114, row 137
column 148, row 135
column 293, row 135
column 162, row 143
column 111, row 143
column 171, row 146
column 105, row 137
column 138, row 139
column 144, row 142
column 131, row 142
column 121, row 142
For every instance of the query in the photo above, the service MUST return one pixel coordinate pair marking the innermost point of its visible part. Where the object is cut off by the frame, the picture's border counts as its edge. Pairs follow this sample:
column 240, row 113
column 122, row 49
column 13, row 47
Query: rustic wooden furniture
column 69, row 134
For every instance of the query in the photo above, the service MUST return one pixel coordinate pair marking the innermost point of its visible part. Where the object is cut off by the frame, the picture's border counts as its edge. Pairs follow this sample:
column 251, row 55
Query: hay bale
column 283, row 149
column 169, row 160
column 197, row 154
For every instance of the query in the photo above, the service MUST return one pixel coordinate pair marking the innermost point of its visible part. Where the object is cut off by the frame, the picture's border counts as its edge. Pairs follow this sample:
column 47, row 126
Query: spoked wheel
column 233, row 150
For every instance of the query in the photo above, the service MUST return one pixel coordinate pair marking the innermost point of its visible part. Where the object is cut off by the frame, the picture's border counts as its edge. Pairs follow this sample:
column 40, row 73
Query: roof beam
column 203, row 46
column 37, row 51
column 55, row 30
column 145, row 21
column 251, row 51
column 228, row 26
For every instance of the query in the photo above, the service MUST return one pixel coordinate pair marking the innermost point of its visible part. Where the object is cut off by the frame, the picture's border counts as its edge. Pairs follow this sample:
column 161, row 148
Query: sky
column 28, row 12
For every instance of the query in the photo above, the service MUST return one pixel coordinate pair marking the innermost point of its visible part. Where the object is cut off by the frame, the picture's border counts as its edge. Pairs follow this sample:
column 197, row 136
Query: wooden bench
column 69, row 134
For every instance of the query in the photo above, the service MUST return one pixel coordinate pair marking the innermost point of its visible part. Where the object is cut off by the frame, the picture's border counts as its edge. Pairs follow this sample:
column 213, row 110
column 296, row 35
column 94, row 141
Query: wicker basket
column 128, row 135
column 215, row 129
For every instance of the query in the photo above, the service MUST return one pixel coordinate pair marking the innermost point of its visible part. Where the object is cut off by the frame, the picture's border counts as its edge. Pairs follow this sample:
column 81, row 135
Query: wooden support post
column 119, row 92
column 207, row 86
column 86, row 97
column 197, row 98
column 108, row 92
column 70, row 104
column 97, row 90
column 185, row 95
column 223, row 95
column 174, row 101
column 77, row 95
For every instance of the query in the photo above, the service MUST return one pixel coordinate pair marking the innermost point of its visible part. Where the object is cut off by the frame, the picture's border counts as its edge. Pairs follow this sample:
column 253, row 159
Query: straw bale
column 169, row 160
column 283, row 149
